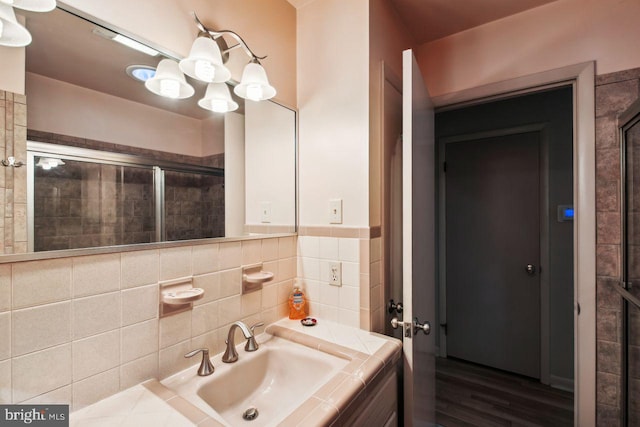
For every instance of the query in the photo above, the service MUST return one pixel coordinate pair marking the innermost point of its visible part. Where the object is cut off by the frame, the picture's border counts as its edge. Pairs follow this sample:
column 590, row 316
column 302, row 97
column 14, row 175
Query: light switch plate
column 265, row 211
column 335, row 211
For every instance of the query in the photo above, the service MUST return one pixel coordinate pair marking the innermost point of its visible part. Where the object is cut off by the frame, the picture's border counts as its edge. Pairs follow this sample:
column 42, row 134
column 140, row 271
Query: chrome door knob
column 531, row 269
column 394, row 306
column 395, row 323
column 424, row 327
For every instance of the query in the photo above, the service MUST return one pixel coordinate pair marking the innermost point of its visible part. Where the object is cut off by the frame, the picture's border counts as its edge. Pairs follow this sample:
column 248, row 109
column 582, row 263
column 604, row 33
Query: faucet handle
column 255, row 325
column 252, row 344
column 206, row 367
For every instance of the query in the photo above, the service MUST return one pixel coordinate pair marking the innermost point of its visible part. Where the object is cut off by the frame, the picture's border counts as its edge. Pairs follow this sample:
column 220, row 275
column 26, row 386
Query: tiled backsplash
column 76, row 330
column 357, row 301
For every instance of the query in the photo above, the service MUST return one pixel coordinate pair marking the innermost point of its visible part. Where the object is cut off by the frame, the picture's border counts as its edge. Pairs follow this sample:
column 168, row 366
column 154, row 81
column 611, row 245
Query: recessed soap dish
column 178, row 295
column 258, row 277
column 253, row 277
column 182, row 296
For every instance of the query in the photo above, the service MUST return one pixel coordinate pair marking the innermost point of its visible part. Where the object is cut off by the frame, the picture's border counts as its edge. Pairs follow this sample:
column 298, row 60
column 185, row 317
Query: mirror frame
column 36, row 256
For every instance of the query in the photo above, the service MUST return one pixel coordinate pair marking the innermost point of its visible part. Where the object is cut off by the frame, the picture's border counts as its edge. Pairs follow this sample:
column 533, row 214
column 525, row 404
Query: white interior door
column 419, row 248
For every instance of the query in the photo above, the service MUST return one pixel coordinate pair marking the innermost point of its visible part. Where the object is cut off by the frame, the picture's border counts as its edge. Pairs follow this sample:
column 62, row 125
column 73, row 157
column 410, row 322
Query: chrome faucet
column 230, row 354
column 206, row 367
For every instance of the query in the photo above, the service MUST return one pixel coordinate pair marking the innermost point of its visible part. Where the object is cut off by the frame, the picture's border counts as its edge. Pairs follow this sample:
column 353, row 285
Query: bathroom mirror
column 111, row 163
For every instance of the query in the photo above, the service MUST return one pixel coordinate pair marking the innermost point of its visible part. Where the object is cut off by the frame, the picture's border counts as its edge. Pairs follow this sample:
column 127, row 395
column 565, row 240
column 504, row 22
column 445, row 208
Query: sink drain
column 250, row 414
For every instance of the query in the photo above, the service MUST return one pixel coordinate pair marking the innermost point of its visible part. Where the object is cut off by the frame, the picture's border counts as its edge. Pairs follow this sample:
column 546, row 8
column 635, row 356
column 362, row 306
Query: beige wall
column 270, row 162
column 561, row 33
column 66, row 109
column 333, row 103
column 12, row 69
column 387, row 40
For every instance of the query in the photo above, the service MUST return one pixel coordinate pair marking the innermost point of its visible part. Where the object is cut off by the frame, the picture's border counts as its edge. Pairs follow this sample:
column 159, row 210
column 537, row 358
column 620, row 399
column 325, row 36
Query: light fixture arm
column 214, row 34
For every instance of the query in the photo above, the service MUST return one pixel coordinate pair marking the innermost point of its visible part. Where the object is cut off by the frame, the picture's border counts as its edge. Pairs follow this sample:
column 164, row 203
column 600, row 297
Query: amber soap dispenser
column 297, row 304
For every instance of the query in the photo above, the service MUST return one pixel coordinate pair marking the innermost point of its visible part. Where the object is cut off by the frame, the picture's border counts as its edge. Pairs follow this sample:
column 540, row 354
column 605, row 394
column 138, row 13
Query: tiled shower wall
column 194, row 206
column 13, row 180
column 121, row 211
column 76, row 330
column 614, row 94
column 82, row 205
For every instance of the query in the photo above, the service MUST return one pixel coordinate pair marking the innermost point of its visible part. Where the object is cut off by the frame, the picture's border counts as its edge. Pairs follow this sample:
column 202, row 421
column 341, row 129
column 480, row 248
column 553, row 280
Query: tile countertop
column 371, row 357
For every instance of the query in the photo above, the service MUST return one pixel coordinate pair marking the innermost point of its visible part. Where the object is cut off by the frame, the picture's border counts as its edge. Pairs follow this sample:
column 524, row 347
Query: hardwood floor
column 474, row 395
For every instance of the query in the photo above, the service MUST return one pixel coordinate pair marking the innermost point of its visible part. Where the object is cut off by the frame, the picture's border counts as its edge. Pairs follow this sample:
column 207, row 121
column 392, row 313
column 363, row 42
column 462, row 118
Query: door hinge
column 444, row 327
column 444, row 166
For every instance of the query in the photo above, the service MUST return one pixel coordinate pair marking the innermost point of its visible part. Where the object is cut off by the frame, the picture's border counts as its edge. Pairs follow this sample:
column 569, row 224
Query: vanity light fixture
column 218, row 99
column 204, row 62
column 11, row 162
column 48, row 163
column 12, row 34
column 255, row 85
column 169, row 81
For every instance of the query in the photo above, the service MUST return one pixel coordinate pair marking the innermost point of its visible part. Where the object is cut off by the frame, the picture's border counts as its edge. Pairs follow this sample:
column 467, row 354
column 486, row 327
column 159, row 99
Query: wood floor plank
column 470, row 394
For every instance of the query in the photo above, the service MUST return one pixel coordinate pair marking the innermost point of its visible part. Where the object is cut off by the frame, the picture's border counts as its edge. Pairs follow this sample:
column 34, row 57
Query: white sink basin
column 275, row 380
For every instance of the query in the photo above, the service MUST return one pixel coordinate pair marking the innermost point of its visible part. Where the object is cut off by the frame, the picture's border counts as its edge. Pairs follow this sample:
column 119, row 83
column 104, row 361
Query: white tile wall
column 206, row 259
column 175, row 263
column 5, row 380
column 96, row 274
column 139, row 268
column 92, row 315
column 28, row 372
column 40, row 282
column 5, row 287
column 5, row 335
column 36, row 328
column 73, row 330
column 139, row 304
column 95, row 354
column 340, row 304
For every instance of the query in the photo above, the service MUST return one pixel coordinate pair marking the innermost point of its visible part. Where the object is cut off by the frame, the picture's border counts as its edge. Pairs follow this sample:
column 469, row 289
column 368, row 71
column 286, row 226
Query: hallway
column 474, row 395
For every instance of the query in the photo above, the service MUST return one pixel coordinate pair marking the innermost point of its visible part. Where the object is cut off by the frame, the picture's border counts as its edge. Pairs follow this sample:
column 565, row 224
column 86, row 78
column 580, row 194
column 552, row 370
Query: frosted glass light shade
column 218, row 99
column 12, row 34
column 32, row 5
column 205, row 62
column 254, row 85
column 169, row 81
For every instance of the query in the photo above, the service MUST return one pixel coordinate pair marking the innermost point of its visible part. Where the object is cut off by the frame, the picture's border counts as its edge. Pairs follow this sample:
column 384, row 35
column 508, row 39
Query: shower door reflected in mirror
column 79, row 204
column 630, row 287
column 193, row 205
column 81, row 198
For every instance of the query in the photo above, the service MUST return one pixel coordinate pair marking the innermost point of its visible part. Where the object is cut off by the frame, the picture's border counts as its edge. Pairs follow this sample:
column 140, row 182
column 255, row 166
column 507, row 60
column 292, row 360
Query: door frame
column 582, row 78
column 541, row 129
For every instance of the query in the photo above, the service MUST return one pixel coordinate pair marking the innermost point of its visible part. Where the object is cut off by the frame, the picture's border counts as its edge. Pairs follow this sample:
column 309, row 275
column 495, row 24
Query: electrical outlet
column 335, row 273
column 335, row 211
column 265, row 211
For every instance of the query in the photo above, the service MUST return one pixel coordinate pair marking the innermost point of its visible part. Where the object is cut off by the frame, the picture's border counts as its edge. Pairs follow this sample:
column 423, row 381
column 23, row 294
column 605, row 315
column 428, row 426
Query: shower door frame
column 42, row 149
column 628, row 119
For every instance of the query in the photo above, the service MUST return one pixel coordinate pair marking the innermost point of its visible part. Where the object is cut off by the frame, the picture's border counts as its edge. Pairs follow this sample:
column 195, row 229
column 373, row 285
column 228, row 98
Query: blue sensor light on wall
column 565, row 213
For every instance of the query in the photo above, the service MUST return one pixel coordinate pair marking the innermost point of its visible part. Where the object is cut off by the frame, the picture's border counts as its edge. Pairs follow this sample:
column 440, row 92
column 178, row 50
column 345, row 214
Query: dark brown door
column 492, row 235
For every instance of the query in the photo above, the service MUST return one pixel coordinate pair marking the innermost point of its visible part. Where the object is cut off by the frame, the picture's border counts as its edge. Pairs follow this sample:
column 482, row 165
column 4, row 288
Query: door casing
column 582, row 78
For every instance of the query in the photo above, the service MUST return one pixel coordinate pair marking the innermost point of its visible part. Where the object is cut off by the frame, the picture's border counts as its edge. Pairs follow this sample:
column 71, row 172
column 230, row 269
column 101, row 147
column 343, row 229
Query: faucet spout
column 230, row 354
